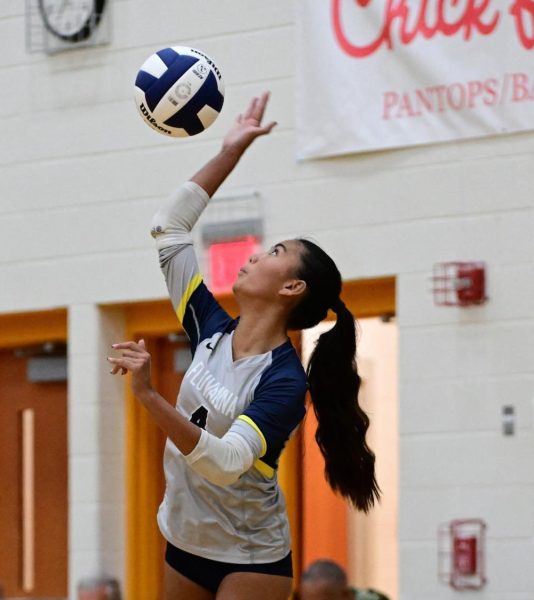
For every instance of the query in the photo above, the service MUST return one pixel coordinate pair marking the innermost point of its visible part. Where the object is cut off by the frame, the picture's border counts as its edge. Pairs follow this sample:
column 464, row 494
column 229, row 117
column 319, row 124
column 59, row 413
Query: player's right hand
column 248, row 125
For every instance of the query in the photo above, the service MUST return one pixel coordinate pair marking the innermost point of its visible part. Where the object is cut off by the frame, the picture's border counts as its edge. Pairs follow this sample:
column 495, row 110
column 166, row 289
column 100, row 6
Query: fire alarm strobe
column 459, row 283
column 461, row 554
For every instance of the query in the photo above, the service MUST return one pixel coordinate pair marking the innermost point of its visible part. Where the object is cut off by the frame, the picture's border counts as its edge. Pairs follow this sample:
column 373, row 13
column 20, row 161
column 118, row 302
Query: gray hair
column 325, row 570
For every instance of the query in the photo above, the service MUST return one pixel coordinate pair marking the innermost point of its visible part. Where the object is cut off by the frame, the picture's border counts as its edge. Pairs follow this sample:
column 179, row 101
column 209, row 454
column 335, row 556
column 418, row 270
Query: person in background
column 326, row 580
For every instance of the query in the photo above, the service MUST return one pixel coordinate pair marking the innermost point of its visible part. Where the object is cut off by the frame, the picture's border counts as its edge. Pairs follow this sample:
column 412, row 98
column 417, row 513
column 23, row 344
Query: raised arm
column 223, row 460
column 247, row 127
column 196, row 309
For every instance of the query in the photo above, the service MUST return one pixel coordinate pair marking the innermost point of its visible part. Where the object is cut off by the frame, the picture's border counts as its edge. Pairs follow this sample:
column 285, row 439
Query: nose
column 253, row 258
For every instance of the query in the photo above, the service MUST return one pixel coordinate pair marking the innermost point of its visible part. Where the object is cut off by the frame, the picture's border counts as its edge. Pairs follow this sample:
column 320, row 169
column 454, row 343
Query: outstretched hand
column 135, row 359
column 248, row 125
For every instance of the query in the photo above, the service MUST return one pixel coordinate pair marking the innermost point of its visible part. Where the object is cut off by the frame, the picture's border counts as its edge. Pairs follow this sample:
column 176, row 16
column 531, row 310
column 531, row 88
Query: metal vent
column 42, row 369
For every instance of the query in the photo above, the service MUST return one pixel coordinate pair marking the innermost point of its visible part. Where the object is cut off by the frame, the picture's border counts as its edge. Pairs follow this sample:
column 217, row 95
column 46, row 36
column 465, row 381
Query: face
column 271, row 275
column 324, row 590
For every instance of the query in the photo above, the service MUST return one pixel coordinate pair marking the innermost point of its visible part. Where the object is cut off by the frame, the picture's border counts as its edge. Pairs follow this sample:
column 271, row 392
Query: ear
column 293, row 287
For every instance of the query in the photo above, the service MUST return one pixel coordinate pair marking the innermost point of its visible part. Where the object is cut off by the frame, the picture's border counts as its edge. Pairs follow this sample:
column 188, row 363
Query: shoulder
column 284, row 379
column 286, row 367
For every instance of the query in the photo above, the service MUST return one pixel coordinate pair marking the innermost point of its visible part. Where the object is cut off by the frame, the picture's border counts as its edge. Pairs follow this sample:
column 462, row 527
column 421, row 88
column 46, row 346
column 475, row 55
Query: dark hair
column 334, row 382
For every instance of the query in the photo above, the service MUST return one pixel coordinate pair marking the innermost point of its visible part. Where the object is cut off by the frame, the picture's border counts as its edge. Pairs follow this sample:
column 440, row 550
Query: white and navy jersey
column 244, row 522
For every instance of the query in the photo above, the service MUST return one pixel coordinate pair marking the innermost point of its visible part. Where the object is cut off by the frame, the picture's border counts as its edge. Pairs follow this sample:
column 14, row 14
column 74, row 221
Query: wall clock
column 72, row 21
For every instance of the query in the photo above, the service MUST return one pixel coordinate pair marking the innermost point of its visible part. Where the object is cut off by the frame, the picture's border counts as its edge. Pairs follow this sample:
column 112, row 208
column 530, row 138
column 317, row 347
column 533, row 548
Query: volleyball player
column 223, row 515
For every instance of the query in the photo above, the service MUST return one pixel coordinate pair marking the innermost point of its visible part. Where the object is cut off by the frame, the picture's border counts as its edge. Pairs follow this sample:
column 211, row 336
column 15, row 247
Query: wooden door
column 33, row 479
column 146, row 481
column 167, row 374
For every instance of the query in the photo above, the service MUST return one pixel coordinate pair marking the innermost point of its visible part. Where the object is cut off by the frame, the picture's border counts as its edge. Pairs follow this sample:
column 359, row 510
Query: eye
column 274, row 251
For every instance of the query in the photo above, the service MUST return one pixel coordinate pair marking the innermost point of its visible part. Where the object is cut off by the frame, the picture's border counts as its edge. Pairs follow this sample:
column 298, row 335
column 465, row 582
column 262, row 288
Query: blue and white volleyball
column 179, row 91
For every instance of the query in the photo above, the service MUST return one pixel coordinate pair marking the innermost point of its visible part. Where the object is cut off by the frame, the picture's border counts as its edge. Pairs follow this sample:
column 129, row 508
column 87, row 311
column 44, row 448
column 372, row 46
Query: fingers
column 265, row 129
column 256, row 108
column 134, row 355
column 124, row 362
column 259, row 106
column 116, row 369
column 268, row 128
column 130, row 353
column 250, row 110
column 128, row 346
column 131, row 349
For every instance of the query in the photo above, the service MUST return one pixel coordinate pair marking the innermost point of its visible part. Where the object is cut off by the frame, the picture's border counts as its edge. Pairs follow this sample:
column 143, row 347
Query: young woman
column 223, row 515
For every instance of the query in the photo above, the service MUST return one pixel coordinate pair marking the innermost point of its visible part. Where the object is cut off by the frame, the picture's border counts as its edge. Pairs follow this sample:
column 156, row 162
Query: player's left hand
column 135, row 359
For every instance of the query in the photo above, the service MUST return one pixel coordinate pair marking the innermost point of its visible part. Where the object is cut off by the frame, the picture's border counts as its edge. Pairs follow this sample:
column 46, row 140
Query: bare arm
column 221, row 461
column 245, row 130
column 136, row 359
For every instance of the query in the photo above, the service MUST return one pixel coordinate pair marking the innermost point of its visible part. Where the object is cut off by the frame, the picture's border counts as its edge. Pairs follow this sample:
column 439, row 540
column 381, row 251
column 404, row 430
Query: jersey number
column 199, row 417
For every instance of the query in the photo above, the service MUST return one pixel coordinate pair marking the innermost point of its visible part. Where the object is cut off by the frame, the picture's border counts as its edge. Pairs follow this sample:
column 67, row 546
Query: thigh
column 178, row 587
column 244, row 586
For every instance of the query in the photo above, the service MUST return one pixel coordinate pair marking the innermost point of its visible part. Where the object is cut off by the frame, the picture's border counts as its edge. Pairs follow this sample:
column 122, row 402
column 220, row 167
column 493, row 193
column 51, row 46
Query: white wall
column 374, row 551
column 80, row 176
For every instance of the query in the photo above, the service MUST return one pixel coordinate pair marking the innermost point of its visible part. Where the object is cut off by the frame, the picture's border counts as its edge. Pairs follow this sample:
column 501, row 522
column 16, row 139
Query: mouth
column 242, row 271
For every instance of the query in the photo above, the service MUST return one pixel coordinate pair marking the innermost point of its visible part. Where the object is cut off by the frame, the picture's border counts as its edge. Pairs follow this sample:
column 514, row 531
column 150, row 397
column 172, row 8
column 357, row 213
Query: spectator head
column 325, row 580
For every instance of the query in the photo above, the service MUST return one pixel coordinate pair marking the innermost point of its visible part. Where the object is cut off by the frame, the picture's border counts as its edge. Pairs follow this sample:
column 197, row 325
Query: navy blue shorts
column 209, row 573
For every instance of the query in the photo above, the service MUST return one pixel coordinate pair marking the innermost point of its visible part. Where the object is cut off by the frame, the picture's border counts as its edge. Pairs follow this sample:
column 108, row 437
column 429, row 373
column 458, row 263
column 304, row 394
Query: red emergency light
column 225, row 260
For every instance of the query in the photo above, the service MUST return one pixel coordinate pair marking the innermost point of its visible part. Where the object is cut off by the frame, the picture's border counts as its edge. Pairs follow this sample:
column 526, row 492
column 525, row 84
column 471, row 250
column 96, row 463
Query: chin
column 240, row 290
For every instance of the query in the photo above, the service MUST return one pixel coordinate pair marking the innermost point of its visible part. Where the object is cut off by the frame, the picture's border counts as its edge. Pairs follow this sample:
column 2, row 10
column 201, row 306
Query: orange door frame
column 25, row 329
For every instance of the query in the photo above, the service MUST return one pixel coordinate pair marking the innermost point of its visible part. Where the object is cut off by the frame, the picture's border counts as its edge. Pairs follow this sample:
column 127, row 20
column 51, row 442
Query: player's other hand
column 136, row 360
column 248, row 125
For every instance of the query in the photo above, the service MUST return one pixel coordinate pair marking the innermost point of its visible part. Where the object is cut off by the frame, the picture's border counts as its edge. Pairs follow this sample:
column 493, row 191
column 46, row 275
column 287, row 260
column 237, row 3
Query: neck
column 257, row 335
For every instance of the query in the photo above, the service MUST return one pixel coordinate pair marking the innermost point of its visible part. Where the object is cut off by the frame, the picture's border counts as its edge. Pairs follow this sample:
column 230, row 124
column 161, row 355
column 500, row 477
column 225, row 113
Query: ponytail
column 334, row 382
column 334, row 385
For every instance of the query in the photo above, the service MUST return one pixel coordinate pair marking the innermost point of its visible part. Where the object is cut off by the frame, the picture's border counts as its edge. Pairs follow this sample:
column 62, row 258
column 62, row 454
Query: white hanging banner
column 378, row 74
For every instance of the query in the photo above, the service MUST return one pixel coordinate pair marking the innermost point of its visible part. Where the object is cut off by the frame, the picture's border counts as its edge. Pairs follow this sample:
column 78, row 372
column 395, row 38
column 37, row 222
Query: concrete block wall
column 96, row 447
column 81, row 175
